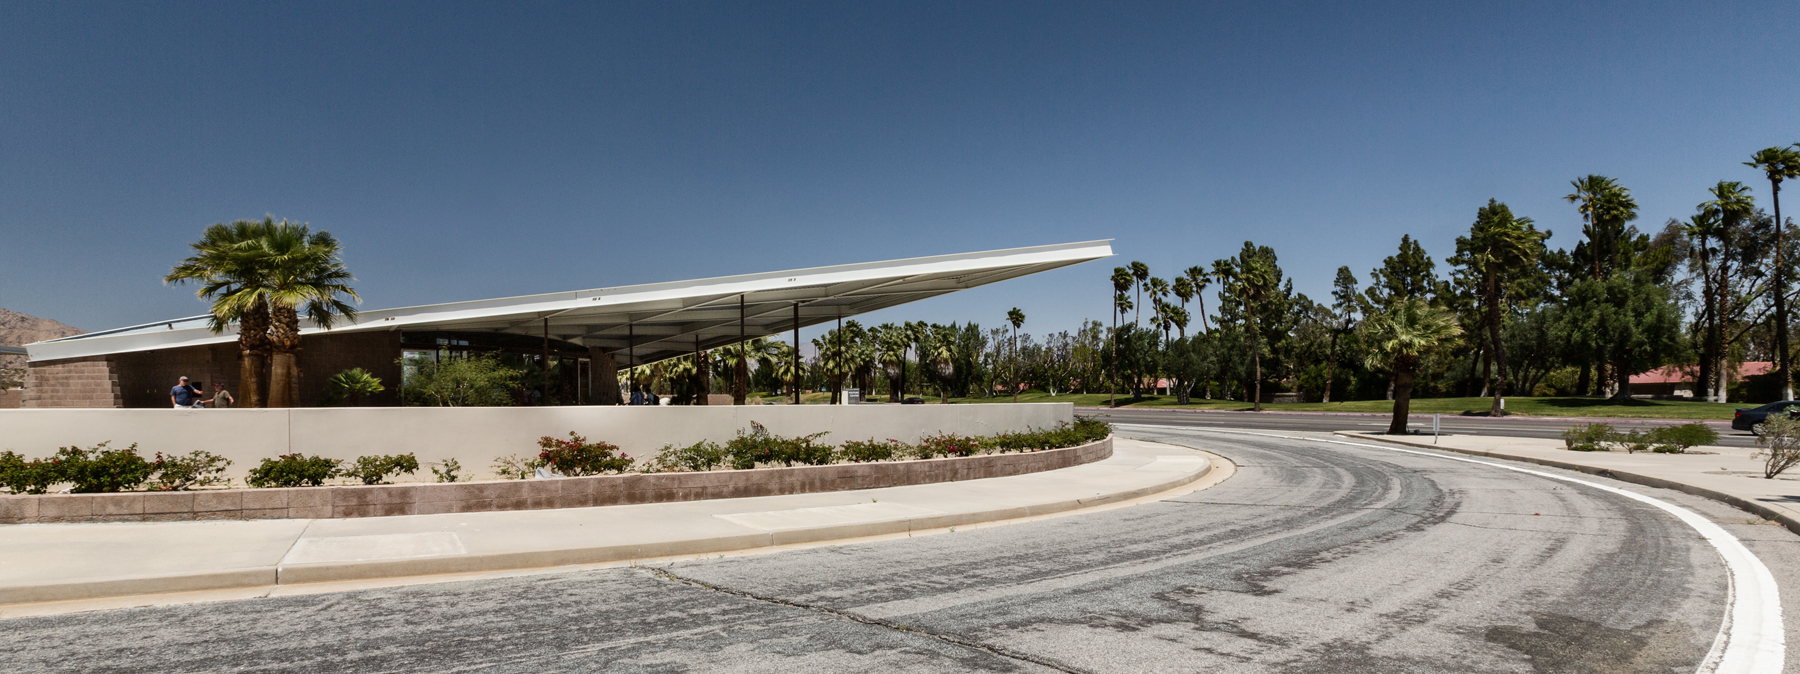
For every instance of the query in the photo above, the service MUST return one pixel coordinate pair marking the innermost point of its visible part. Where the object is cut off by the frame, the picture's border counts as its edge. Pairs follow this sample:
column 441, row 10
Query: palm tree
column 1398, row 338
column 943, row 358
column 1498, row 249
column 1184, row 291
column 1198, row 277
column 920, row 334
column 1017, row 319
column 784, row 365
column 890, row 351
column 1779, row 163
column 1719, row 220
column 296, row 270
column 222, row 267
column 1141, row 273
column 1121, row 285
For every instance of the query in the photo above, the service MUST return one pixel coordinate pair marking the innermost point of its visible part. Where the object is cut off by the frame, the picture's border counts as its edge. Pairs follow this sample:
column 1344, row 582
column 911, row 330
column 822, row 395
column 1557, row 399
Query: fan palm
column 222, row 267
column 1497, row 250
column 1198, row 277
column 1017, row 319
column 1778, row 164
column 1121, row 284
column 1398, row 339
column 1140, row 272
column 890, row 351
column 1719, row 220
column 296, row 270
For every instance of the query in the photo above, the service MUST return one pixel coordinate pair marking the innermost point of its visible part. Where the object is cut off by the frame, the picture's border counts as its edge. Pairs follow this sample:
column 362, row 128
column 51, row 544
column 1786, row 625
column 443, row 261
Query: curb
column 542, row 559
column 1791, row 523
column 1386, row 415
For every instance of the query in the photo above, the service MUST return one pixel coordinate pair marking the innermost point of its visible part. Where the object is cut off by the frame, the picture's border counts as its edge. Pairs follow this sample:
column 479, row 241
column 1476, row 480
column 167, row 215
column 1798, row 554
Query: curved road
column 1312, row 558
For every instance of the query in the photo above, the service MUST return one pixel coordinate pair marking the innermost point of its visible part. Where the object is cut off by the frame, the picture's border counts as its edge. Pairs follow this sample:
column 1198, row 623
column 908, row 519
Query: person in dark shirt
column 183, row 395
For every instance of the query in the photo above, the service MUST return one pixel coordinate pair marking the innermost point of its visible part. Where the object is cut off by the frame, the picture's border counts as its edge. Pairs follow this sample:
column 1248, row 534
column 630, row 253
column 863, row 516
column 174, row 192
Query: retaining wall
column 475, row 436
column 570, row 492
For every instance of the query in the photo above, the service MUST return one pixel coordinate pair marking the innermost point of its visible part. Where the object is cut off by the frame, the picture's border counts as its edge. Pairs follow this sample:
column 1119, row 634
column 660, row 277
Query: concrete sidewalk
column 65, row 562
column 1727, row 474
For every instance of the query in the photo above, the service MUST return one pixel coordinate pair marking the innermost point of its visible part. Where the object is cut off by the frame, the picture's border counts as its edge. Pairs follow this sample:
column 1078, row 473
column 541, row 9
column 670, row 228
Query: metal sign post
column 1434, row 428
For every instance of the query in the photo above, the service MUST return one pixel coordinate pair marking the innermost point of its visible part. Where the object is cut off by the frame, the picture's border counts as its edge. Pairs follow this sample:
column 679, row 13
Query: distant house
column 1678, row 382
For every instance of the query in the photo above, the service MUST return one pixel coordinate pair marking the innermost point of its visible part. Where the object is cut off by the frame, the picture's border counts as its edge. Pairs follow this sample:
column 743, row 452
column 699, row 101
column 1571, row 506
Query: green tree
column 1404, row 275
column 1344, row 310
column 1629, row 320
column 1500, row 252
column 297, row 270
column 474, row 380
column 1778, row 164
column 223, row 266
column 1141, row 273
column 1398, row 338
column 1254, row 294
column 1121, row 285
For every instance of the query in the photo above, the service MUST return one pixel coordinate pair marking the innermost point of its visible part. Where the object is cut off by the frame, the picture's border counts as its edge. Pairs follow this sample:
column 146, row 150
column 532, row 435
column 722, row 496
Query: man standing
column 221, row 398
column 183, row 395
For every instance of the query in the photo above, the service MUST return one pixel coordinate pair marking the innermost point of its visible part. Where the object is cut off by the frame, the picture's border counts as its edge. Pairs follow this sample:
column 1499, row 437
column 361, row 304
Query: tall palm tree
column 890, row 351
column 297, row 270
column 1730, row 207
column 1121, row 285
column 920, row 334
column 1498, row 249
column 784, row 365
column 1778, row 164
column 1184, row 291
column 1017, row 319
column 1398, row 338
column 1702, row 228
column 943, row 358
column 1199, row 278
column 1141, row 273
column 222, row 267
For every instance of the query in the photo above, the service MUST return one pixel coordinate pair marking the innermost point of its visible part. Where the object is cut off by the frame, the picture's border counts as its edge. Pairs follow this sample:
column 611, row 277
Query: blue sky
column 464, row 151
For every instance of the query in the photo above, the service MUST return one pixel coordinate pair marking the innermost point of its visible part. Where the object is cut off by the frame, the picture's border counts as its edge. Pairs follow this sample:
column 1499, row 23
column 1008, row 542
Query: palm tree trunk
column 1499, row 349
column 1403, row 387
column 282, row 379
column 1781, row 318
column 250, row 377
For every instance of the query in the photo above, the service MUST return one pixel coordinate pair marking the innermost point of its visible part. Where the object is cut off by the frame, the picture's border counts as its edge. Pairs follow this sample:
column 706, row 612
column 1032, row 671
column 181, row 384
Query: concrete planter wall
column 474, row 436
column 573, row 492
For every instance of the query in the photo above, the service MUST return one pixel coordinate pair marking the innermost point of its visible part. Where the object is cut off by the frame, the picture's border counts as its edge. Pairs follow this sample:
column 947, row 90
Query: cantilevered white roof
column 654, row 321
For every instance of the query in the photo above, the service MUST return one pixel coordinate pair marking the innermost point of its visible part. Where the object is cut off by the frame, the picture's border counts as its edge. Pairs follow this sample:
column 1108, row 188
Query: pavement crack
column 952, row 639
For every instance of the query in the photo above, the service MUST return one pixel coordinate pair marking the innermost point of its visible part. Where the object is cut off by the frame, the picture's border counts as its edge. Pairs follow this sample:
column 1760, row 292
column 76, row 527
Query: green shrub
column 576, row 456
column 946, row 444
column 448, row 472
column 515, row 467
column 747, row 450
column 1589, row 437
column 20, row 476
column 376, row 469
column 1678, row 439
column 293, row 470
column 867, row 451
column 1779, row 444
column 699, row 457
column 199, row 468
column 99, row 469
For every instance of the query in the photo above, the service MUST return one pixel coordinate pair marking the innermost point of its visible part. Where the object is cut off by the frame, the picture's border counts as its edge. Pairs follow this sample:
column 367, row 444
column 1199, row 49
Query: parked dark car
column 915, row 400
column 1751, row 418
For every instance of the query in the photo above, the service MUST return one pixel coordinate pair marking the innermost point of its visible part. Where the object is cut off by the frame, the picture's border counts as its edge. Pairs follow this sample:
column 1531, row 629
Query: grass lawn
column 1542, row 407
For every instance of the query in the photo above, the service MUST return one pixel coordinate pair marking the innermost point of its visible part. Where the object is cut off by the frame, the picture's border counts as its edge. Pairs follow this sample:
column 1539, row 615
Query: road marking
column 1751, row 639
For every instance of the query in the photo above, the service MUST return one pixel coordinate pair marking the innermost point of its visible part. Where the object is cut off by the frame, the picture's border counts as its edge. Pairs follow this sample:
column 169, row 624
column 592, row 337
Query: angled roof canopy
column 646, row 323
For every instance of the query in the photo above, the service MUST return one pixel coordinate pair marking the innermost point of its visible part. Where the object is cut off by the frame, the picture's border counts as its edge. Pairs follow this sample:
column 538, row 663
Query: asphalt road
column 1312, row 558
column 1521, row 427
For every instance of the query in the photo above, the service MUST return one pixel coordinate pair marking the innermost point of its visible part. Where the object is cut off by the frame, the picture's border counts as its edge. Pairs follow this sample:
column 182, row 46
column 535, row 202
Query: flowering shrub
column 747, row 450
column 515, row 467
column 861, row 451
column 293, row 470
column 701, row 456
column 20, row 476
column 376, row 469
column 576, row 456
column 99, row 469
column 199, row 468
column 947, row 444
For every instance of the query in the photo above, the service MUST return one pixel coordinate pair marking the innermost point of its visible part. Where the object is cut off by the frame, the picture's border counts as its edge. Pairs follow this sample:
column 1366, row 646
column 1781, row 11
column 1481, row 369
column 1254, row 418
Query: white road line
column 1751, row 639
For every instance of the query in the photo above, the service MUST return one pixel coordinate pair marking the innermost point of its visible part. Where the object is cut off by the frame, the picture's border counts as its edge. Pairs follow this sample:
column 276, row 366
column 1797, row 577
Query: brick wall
column 10, row 399
column 322, row 356
column 92, row 381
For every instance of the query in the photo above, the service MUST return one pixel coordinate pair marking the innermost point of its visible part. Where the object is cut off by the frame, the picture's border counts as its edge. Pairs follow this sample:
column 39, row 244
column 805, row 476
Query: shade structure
column 651, row 322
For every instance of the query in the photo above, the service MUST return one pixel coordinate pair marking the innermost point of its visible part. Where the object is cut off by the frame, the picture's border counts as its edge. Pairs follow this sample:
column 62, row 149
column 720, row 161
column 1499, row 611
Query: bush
column 293, row 470
column 351, row 385
column 699, row 457
column 1677, row 439
column 516, row 467
column 866, row 451
column 20, row 476
column 448, row 472
column 98, row 469
column 475, row 380
column 946, row 444
column 1589, row 437
column 376, row 469
column 576, row 456
column 1779, row 444
column 762, row 447
column 199, row 468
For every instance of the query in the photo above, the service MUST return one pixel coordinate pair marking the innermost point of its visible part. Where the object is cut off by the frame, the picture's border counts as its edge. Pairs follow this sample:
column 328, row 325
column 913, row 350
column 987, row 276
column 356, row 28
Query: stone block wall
column 92, row 381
